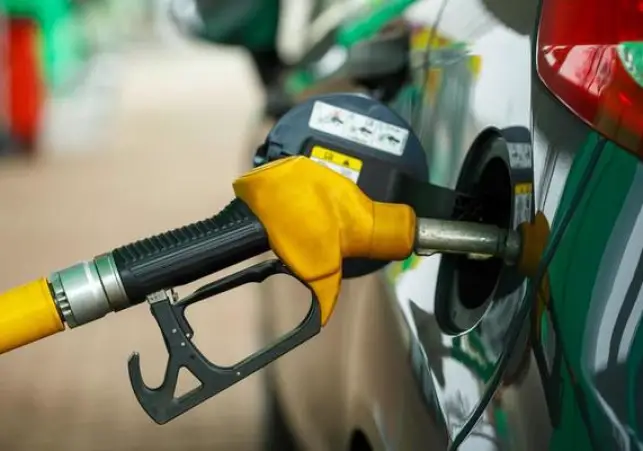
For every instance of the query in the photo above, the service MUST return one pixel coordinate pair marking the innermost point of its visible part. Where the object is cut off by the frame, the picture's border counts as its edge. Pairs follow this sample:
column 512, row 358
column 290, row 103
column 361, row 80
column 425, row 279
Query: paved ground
column 179, row 137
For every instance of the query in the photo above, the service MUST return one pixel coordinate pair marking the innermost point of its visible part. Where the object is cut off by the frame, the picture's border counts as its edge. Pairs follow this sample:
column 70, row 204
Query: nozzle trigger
column 160, row 403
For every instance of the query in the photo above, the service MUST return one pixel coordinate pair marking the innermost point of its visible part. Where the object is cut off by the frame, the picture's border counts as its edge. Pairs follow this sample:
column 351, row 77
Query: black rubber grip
column 186, row 254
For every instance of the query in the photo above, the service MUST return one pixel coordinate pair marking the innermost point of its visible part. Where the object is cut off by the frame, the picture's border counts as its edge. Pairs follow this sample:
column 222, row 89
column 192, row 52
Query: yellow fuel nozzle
column 310, row 216
column 315, row 218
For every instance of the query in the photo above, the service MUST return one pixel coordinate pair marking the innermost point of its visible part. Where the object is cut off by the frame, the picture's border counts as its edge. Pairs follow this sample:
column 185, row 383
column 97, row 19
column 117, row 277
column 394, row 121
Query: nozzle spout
column 472, row 238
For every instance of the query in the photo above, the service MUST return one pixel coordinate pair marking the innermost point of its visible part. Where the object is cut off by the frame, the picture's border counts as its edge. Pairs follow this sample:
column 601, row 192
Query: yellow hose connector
column 27, row 314
column 535, row 236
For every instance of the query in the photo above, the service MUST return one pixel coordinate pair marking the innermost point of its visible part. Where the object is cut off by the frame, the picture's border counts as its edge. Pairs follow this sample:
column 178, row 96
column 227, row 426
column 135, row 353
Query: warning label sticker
column 520, row 155
column 523, row 188
column 349, row 167
column 522, row 206
column 358, row 128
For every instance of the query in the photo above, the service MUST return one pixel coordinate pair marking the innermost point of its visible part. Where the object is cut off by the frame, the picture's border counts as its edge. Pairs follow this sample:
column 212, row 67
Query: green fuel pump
column 62, row 47
column 45, row 47
column 335, row 32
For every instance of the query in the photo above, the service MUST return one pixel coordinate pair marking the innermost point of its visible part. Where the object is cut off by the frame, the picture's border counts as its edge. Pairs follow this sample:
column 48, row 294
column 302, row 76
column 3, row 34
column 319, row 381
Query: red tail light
column 590, row 56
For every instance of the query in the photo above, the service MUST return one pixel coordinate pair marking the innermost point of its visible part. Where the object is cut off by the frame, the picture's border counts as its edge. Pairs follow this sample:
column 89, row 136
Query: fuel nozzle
column 315, row 215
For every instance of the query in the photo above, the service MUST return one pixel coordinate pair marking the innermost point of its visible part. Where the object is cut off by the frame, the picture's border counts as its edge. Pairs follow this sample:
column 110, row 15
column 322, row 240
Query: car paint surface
column 468, row 91
column 461, row 105
column 587, row 337
column 384, row 334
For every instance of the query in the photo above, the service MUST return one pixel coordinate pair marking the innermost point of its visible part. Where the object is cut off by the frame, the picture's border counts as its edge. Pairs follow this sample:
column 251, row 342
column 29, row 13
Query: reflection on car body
column 460, row 365
column 571, row 380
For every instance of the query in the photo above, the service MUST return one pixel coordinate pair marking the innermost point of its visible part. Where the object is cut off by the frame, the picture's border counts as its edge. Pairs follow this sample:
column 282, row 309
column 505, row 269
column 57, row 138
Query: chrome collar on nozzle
column 88, row 290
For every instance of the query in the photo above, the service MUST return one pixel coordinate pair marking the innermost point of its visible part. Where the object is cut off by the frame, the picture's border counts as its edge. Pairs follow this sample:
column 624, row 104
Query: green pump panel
column 62, row 41
column 379, row 13
column 367, row 24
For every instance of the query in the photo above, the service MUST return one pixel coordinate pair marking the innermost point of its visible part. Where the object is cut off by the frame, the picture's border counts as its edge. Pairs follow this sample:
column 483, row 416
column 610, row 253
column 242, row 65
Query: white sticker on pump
column 358, row 128
column 522, row 207
column 349, row 167
column 520, row 155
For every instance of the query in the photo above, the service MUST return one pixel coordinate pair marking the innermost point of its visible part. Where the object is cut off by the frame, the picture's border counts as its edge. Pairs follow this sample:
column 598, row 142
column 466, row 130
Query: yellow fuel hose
column 27, row 313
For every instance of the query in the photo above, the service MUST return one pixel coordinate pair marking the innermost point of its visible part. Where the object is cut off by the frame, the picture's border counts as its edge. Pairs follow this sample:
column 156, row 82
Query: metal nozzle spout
column 472, row 238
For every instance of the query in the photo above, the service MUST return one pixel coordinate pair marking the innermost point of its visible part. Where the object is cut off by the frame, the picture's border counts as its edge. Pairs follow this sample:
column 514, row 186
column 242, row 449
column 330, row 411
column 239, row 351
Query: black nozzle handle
column 186, row 254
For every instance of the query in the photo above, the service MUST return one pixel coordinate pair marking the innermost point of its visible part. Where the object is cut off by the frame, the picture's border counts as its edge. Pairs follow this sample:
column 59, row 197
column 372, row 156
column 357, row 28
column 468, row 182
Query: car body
column 440, row 353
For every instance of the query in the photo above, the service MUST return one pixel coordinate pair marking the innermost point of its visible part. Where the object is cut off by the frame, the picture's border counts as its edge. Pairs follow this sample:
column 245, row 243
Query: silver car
column 538, row 105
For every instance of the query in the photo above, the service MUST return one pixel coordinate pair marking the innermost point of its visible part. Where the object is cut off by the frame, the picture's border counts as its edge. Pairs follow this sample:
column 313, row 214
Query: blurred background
column 113, row 126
